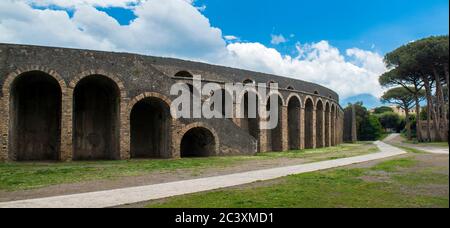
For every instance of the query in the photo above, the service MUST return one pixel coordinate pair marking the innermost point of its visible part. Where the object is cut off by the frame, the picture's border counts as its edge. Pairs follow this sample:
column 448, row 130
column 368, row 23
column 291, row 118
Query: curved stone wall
column 310, row 114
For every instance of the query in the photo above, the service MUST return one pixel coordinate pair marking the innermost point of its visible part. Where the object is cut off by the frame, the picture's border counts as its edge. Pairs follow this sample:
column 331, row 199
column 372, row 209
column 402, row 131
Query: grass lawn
column 409, row 149
column 23, row 176
column 432, row 144
column 329, row 153
column 395, row 183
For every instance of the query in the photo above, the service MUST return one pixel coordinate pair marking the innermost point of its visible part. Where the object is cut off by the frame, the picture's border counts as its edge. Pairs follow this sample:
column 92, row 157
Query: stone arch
column 223, row 109
column 248, row 81
column 294, row 95
column 199, row 140
column 142, row 96
column 13, row 75
column 269, row 84
column 320, row 134
column 309, row 123
column 327, row 124
column 34, row 98
column 274, row 136
column 242, row 93
column 150, row 126
column 250, row 122
column 318, row 99
column 97, row 98
column 333, row 124
column 183, row 74
column 283, row 101
column 120, row 85
column 294, row 122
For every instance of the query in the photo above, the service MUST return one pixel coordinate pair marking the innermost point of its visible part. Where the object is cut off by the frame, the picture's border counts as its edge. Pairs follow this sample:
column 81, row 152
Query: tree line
column 419, row 71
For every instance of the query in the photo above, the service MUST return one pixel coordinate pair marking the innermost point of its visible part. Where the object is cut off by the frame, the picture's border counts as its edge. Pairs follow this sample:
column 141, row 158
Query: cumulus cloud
column 278, row 39
column 98, row 3
column 163, row 27
column 177, row 28
column 231, row 37
column 318, row 62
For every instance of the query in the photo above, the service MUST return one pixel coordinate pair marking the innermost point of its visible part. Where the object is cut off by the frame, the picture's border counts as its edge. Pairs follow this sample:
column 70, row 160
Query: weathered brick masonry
column 67, row 104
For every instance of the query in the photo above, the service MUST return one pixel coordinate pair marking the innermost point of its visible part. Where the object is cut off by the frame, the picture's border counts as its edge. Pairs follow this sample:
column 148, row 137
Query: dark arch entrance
column 327, row 126
column 183, row 74
column 294, row 123
column 96, row 119
column 248, row 82
column 198, row 142
column 333, row 125
column 309, row 117
column 35, row 117
column 223, row 107
column 150, row 129
column 319, row 125
column 274, row 138
column 249, row 123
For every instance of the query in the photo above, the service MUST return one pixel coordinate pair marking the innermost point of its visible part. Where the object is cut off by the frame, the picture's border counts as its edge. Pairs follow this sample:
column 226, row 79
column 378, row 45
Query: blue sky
column 338, row 44
column 380, row 25
column 345, row 23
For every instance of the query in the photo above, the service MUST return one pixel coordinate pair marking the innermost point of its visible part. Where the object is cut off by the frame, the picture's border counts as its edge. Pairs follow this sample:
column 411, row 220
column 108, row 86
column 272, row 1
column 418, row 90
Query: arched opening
column 96, row 119
column 250, row 122
column 320, row 140
column 223, row 107
column 198, row 142
column 150, row 129
column 195, row 101
column 248, row 82
column 271, row 84
column 316, row 92
column 309, row 121
column 35, row 117
column 294, row 123
column 333, row 125
column 290, row 88
column 183, row 74
column 274, row 138
column 327, row 125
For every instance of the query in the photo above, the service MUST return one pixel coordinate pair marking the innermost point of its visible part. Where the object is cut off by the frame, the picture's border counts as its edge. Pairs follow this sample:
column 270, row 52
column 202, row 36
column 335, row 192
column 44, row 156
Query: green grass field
column 384, row 185
column 432, row 144
column 328, row 153
column 23, row 176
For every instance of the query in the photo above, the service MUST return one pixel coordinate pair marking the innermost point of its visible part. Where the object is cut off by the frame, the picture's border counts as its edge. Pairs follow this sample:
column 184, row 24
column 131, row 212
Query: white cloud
column 231, row 37
column 176, row 28
column 201, row 8
column 162, row 27
column 98, row 3
column 367, row 60
column 318, row 62
column 278, row 39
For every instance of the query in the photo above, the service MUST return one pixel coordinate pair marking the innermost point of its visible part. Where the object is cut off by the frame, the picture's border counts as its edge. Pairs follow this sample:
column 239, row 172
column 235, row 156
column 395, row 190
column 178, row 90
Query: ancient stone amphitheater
column 67, row 104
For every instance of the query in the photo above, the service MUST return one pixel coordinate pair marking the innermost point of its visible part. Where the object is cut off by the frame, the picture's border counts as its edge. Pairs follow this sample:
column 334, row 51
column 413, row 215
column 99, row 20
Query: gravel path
column 111, row 198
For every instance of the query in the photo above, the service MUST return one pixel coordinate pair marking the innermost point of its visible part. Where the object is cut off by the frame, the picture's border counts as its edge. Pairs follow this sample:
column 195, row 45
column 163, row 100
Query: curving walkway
column 124, row 196
column 397, row 139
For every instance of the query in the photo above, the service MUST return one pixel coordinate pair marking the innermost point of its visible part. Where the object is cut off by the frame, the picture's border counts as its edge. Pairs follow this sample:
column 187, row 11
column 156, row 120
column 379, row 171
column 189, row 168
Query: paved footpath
column 433, row 150
column 124, row 196
column 430, row 149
